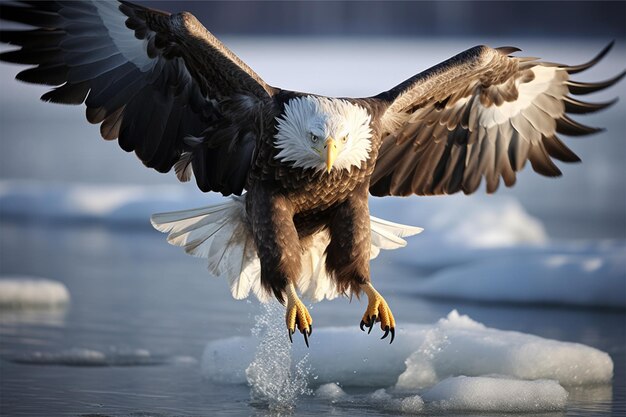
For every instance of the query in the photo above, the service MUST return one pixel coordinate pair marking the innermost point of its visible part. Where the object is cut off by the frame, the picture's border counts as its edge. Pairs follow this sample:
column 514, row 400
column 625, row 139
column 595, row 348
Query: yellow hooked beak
column 331, row 153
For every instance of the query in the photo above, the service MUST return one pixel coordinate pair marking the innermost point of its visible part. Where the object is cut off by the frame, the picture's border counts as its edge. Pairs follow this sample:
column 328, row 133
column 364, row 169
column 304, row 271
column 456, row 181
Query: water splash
column 271, row 376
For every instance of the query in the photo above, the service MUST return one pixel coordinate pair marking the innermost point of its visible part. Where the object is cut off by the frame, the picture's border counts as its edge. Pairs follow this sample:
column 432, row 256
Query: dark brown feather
column 180, row 83
column 574, row 69
column 581, row 88
column 567, row 126
column 580, row 107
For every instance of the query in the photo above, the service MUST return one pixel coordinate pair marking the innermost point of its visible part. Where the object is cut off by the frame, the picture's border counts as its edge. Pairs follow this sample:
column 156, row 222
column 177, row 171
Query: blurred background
column 361, row 49
column 75, row 209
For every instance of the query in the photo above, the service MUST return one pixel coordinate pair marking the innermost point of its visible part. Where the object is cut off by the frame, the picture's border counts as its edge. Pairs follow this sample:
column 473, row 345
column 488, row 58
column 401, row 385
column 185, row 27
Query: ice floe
column 457, row 221
column 109, row 204
column 330, row 391
column 23, row 292
column 456, row 364
column 91, row 357
column 422, row 356
column 460, row 221
column 584, row 277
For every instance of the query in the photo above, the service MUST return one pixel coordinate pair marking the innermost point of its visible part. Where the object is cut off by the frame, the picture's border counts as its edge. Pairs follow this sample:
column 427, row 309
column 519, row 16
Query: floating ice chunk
column 91, row 357
column 496, row 394
column 594, row 278
column 380, row 395
column 19, row 292
column 330, row 391
column 183, row 360
column 74, row 356
column 127, row 204
column 421, row 356
column 454, row 221
column 487, row 222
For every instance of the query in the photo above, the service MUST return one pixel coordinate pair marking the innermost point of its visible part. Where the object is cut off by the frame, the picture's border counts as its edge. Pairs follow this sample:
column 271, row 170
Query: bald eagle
column 168, row 90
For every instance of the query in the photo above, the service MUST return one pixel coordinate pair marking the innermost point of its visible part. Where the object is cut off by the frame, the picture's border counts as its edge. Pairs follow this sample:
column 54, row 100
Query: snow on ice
column 491, row 394
column 21, row 292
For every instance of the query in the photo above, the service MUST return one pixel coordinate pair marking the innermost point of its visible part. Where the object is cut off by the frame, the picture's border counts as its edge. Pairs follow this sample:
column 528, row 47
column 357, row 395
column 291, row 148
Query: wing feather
column 481, row 114
column 151, row 78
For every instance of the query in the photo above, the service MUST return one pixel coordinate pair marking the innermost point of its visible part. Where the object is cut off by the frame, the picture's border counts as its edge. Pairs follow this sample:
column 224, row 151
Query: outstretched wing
column 481, row 114
column 160, row 83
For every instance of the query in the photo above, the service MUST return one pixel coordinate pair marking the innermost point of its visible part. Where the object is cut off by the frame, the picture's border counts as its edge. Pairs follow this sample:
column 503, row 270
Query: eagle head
column 323, row 134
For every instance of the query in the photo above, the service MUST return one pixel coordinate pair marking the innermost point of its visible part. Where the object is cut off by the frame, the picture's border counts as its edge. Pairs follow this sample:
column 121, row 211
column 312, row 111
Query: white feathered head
column 323, row 134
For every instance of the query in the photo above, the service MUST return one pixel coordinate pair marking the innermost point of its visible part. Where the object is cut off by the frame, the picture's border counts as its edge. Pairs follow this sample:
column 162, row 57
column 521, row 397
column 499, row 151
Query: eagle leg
column 297, row 315
column 377, row 311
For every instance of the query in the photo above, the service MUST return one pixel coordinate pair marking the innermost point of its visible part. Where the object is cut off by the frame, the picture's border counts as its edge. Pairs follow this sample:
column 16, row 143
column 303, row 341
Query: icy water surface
column 142, row 313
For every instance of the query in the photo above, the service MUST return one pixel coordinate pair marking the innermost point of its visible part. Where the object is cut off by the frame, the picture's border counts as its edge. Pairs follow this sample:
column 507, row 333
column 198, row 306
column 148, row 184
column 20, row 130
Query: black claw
column 386, row 332
column 393, row 334
column 310, row 329
column 289, row 333
column 371, row 323
column 306, row 338
column 361, row 325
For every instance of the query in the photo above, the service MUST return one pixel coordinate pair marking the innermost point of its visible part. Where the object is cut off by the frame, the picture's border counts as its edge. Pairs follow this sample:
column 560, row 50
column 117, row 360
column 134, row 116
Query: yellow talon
column 297, row 315
column 377, row 311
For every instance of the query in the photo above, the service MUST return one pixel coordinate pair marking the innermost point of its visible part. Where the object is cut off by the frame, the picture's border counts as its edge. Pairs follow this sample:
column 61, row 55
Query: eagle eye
column 314, row 138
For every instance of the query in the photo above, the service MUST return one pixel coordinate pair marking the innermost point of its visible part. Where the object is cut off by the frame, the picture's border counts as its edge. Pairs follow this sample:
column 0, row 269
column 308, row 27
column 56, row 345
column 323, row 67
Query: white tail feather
column 221, row 233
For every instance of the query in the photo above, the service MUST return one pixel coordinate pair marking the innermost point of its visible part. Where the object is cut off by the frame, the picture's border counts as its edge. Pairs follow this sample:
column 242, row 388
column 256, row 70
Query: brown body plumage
column 169, row 91
column 288, row 205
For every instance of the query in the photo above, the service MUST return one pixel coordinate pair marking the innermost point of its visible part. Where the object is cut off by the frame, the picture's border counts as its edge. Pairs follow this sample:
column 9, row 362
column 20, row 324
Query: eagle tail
column 221, row 233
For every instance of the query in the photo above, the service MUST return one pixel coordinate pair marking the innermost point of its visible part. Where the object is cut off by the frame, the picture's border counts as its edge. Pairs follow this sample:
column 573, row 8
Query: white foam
column 585, row 277
column 489, row 394
column 20, row 292
column 421, row 356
